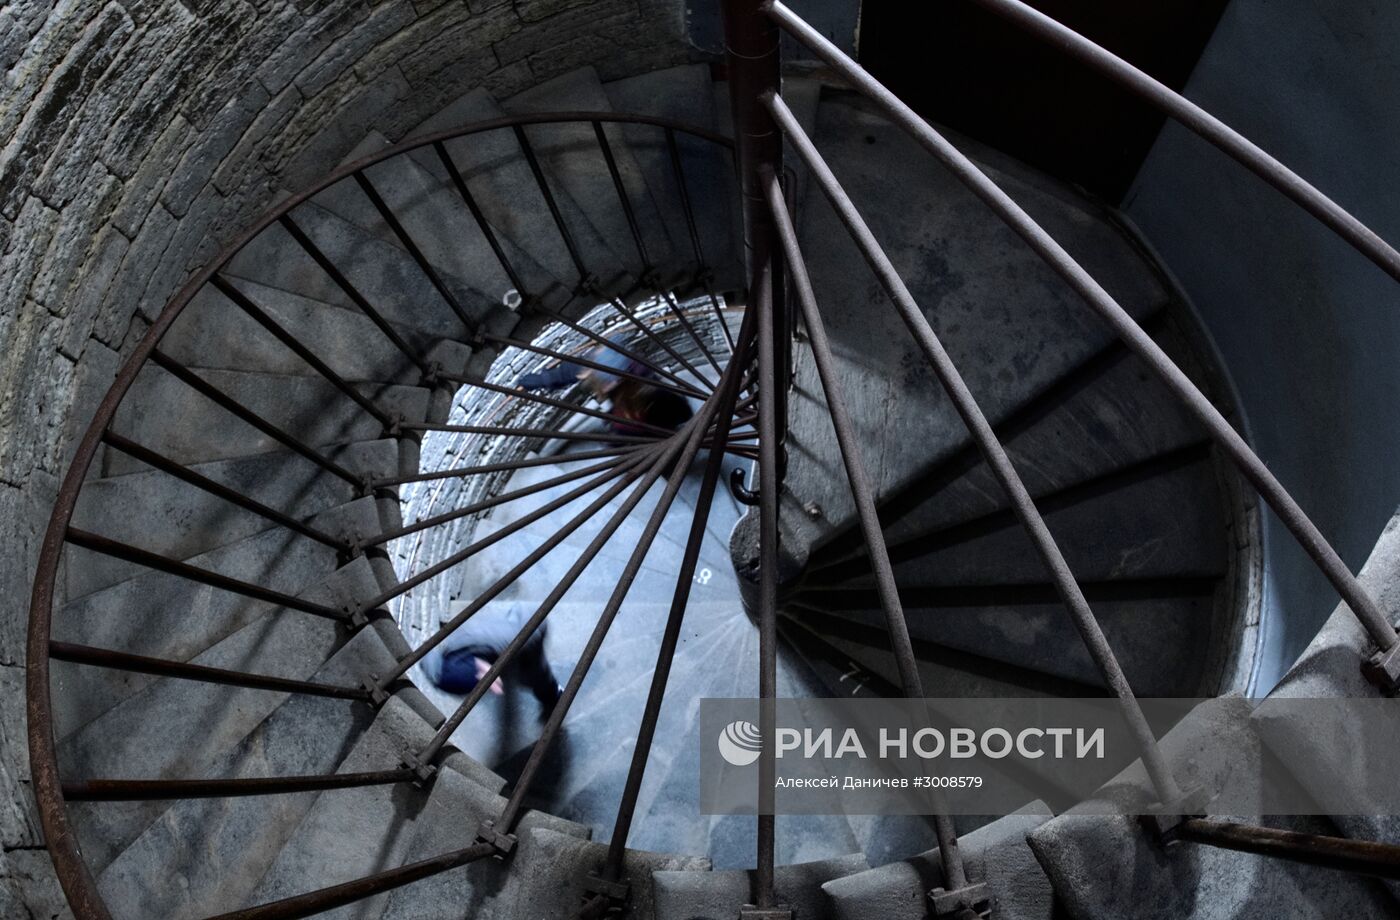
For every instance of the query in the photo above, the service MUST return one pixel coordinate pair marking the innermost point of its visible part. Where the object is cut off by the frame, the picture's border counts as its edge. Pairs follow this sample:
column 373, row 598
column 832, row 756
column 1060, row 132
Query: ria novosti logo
column 740, row 743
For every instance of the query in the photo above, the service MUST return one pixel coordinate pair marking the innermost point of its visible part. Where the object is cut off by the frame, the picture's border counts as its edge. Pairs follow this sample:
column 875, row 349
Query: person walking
column 629, row 399
column 462, row 660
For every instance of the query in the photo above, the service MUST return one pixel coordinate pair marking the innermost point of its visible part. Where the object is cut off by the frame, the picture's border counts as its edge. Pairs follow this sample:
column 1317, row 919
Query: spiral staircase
column 318, row 464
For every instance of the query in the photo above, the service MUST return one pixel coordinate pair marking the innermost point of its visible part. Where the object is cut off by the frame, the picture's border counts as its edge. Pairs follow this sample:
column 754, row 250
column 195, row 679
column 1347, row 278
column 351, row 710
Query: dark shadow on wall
column 965, row 68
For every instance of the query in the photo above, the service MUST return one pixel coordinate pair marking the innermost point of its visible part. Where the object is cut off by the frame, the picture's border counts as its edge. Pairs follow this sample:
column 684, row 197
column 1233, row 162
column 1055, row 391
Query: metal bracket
column 378, row 696
column 423, row 772
column 973, row 896
column 783, row 912
column 588, row 284
column 503, row 844
column 742, row 493
column 432, row 375
column 1162, row 825
column 1383, row 670
column 616, row 892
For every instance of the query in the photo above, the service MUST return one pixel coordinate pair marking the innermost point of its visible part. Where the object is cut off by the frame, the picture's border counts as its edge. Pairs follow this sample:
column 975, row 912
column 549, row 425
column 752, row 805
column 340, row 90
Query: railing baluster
column 620, row 348
column 542, row 183
column 316, row 902
column 490, row 502
column 224, row 401
column 674, row 308
column 147, row 559
column 341, row 281
column 630, row 475
column 582, row 361
column 678, row 171
column 246, row 304
column 434, row 278
column 543, row 400
column 162, row 667
column 621, row 307
column 679, row 455
column 992, row 451
column 148, row 790
column 462, row 555
column 502, row 467
column 863, row 494
column 481, row 222
column 1384, row 667
column 204, row 483
column 727, row 395
column 627, row 211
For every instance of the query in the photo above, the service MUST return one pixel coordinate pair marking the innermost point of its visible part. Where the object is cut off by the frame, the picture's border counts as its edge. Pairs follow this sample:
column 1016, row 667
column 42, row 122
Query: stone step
column 1159, row 639
column 1007, row 321
column 684, row 94
column 549, row 870
column 995, row 853
column 345, row 836
column 500, row 180
column 166, row 415
column 158, row 512
column 573, row 160
column 166, row 615
column 456, row 807
column 174, row 729
column 346, row 340
column 1161, row 524
column 719, row 895
column 1101, row 402
column 1087, row 851
column 383, row 273
column 196, row 859
column 1329, row 669
column 431, row 211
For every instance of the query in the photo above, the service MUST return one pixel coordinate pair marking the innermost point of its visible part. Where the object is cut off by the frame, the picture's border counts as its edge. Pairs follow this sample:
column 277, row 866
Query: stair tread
column 194, row 859
column 495, row 171
column 684, row 94
column 344, row 339
column 180, row 427
column 176, row 729
column 383, row 273
column 575, row 161
column 995, row 853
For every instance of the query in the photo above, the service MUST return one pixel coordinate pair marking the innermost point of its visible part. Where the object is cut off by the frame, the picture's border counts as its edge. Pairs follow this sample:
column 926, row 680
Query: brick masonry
column 139, row 136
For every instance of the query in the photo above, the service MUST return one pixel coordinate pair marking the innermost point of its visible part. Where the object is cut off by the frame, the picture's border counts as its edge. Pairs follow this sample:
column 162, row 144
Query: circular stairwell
column 247, row 503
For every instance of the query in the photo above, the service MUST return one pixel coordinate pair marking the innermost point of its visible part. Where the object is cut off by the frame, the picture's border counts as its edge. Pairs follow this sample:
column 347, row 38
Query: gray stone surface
column 196, row 858
column 546, row 880
column 718, row 895
column 995, row 854
column 168, row 416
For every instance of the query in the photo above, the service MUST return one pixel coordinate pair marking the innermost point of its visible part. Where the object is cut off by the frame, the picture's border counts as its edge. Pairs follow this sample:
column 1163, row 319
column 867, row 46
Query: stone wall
column 140, row 135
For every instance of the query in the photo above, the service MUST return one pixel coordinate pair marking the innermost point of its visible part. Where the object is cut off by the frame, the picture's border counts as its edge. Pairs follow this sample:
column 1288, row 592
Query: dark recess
column 965, row 68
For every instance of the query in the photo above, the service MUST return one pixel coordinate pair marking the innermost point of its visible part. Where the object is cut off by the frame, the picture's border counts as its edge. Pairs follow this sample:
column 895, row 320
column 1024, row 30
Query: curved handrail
column 73, row 873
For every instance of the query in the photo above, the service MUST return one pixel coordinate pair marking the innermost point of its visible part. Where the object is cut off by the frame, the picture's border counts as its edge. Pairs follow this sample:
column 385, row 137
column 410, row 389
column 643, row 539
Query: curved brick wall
column 142, row 134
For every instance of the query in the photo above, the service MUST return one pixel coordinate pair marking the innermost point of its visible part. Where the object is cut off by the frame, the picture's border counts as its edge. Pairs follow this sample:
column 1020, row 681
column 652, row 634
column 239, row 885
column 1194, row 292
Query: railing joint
column 432, row 374
column 615, row 892
column 974, row 897
column 423, row 771
column 502, row 843
column 588, row 284
column 1165, row 822
column 378, row 695
column 1382, row 669
column 780, row 912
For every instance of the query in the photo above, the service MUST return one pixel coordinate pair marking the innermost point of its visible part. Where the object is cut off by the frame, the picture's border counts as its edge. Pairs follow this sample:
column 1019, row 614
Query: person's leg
column 532, row 670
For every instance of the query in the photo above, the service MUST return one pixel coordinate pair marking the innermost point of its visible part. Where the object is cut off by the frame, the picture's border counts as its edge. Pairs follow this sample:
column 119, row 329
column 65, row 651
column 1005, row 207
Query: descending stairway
column 327, row 370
